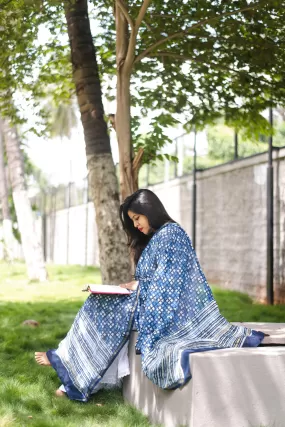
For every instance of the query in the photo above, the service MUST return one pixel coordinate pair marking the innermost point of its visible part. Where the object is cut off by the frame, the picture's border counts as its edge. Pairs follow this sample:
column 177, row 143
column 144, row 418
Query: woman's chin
column 146, row 232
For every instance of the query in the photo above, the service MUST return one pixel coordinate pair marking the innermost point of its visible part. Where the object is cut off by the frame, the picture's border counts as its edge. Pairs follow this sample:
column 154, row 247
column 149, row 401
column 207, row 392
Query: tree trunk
column 7, row 223
column 129, row 164
column 32, row 249
column 125, row 56
column 123, row 114
column 114, row 260
column 123, row 131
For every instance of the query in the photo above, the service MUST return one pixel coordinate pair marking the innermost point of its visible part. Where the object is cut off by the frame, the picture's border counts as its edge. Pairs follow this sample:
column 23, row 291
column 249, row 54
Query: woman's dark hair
column 143, row 202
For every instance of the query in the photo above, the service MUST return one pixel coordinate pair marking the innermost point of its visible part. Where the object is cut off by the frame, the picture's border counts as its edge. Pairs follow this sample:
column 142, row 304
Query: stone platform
column 242, row 387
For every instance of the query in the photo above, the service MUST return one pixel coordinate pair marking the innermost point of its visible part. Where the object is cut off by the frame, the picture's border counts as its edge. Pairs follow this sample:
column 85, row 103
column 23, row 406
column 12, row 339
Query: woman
column 171, row 305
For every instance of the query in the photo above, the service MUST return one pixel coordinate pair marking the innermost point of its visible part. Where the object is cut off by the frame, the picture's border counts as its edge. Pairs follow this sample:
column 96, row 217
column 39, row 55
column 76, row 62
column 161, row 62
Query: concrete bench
column 242, row 387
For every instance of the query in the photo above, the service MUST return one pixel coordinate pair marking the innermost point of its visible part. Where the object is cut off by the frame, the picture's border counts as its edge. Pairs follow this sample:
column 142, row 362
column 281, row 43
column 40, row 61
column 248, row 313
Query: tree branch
column 185, row 32
column 133, row 37
column 138, row 158
column 142, row 13
column 193, row 59
column 157, row 15
column 125, row 13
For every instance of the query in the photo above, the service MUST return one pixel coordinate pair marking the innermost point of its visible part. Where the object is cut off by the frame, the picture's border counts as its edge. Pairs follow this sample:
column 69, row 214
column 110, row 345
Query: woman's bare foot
column 59, row 393
column 41, row 359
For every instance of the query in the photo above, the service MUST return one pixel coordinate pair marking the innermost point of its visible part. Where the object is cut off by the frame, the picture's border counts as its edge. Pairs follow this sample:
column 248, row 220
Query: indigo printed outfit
column 173, row 310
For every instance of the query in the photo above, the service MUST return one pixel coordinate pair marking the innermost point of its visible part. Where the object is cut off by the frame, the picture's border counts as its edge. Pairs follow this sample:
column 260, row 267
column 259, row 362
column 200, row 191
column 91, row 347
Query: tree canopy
column 203, row 59
column 194, row 61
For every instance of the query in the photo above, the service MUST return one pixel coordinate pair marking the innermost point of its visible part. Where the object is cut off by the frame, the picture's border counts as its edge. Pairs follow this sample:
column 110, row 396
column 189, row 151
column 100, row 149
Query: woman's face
column 140, row 222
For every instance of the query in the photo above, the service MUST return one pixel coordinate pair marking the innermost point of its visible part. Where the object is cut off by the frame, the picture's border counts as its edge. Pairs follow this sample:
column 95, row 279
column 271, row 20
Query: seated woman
column 172, row 307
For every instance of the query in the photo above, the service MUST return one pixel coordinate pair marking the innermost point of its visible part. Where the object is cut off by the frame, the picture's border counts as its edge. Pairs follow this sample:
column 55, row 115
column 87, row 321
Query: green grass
column 26, row 389
column 65, row 282
column 238, row 307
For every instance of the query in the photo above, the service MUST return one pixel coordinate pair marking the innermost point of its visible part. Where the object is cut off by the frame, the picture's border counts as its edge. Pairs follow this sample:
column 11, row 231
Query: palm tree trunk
column 7, row 223
column 114, row 260
column 32, row 249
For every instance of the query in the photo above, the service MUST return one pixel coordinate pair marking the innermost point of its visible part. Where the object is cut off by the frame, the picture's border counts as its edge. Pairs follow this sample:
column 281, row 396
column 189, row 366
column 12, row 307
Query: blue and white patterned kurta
column 174, row 312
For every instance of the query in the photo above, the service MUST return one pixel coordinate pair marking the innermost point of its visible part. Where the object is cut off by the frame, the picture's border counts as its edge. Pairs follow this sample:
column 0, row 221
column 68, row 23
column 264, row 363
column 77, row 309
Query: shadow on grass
column 27, row 389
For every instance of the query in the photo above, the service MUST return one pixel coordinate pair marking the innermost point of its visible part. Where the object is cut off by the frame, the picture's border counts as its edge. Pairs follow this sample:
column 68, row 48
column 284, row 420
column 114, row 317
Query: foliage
column 62, row 118
column 202, row 162
column 18, row 53
column 220, row 140
column 221, row 144
column 201, row 60
column 29, row 68
column 279, row 134
column 194, row 61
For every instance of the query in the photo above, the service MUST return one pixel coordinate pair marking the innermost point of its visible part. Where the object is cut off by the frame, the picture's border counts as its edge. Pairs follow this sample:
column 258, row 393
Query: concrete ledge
column 276, row 332
column 230, row 387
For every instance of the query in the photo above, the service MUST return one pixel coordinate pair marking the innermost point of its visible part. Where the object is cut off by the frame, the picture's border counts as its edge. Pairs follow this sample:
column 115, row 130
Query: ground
column 26, row 389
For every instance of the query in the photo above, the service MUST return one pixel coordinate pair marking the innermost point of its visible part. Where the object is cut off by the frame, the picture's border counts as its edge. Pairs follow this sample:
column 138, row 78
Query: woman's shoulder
column 171, row 230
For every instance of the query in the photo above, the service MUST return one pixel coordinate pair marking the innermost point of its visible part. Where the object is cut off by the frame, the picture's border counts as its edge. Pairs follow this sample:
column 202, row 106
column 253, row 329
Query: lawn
column 26, row 389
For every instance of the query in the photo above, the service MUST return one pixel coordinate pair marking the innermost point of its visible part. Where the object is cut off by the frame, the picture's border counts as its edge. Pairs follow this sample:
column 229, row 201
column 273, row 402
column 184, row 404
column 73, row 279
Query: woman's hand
column 132, row 286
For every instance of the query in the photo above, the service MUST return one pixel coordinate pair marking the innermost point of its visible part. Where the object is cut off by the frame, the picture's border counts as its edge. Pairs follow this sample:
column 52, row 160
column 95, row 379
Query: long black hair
column 143, row 202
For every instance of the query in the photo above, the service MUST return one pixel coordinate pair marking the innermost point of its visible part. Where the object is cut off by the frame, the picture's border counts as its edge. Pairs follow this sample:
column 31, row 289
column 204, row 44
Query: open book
column 107, row 289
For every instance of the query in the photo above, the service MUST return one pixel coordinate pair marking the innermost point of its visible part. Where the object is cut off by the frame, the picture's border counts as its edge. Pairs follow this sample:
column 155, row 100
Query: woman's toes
column 59, row 393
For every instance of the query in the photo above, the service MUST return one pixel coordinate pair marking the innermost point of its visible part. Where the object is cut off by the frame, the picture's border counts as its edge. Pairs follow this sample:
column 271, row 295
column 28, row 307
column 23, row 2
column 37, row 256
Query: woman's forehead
column 131, row 213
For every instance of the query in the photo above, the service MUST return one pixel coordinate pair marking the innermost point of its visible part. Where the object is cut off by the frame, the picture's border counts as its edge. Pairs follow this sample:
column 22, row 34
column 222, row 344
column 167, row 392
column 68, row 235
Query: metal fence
column 183, row 149
column 53, row 199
